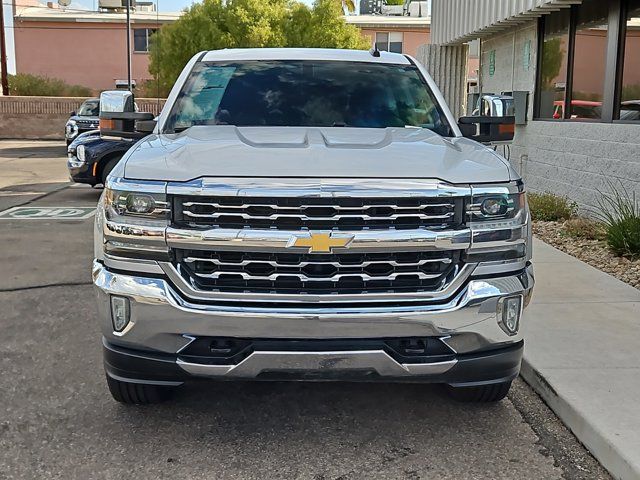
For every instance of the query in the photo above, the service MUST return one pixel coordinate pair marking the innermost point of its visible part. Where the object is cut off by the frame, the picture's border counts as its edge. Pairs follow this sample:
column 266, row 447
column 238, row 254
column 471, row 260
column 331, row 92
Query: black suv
column 84, row 120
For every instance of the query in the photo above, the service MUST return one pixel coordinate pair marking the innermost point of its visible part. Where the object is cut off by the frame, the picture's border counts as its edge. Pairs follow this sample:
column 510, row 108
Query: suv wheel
column 481, row 394
column 137, row 393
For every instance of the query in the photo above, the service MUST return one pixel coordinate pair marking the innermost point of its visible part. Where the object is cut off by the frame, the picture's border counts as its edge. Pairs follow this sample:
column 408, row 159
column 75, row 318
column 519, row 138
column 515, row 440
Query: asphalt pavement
column 58, row 420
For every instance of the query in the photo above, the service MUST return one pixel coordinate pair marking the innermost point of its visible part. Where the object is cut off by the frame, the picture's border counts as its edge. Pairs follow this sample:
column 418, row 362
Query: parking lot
column 59, row 421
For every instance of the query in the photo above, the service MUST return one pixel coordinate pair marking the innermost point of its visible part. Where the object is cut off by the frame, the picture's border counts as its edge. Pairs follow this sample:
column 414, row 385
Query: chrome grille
column 299, row 213
column 317, row 273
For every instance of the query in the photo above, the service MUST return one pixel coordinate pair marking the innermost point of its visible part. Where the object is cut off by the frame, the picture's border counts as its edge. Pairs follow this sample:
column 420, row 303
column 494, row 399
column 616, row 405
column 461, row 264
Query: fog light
column 120, row 313
column 509, row 314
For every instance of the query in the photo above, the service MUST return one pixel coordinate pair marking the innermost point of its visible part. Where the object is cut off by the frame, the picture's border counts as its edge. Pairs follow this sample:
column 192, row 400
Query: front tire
column 137, row 393
column 480, row 394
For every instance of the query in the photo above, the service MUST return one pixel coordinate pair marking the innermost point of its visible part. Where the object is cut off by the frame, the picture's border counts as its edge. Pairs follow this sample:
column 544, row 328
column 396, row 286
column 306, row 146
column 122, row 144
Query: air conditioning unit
column 115, row 4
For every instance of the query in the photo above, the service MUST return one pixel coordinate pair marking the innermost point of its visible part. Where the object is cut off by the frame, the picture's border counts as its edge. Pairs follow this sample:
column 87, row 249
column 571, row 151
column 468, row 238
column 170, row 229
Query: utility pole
column 129, row 46
column 4, row 80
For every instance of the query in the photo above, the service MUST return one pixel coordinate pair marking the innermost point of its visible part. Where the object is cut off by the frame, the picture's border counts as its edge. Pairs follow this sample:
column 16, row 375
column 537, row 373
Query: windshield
column 306, row 93
column 89, row 108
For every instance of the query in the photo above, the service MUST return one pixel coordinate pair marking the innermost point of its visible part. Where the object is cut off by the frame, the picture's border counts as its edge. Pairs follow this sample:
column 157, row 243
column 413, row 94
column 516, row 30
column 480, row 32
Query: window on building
column 553, row 65
column 630, row 91
column 589, row 59
column 141, row 38
column 589, row 67
column 389, row 41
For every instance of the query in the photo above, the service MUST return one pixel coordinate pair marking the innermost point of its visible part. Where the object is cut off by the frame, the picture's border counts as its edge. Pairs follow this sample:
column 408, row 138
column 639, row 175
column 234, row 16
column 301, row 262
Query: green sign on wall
column 492, row 62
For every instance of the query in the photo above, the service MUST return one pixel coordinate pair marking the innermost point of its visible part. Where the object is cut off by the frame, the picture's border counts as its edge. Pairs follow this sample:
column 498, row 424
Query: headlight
column 135, row 219
column 499, row 220
column 71, row 129
column 80, row 153
column 151, row 206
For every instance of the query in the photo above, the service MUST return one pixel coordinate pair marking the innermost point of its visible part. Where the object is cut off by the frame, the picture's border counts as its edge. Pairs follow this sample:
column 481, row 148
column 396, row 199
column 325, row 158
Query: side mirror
column 488, row 130
column 72, row 114
column 495, row 122
column 118, row 116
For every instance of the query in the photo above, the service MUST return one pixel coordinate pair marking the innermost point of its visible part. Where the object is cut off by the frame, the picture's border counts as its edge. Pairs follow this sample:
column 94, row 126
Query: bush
column 395, row 2
column 551, row 208
column 25, row 84
column 620, row 213
column 585, row 228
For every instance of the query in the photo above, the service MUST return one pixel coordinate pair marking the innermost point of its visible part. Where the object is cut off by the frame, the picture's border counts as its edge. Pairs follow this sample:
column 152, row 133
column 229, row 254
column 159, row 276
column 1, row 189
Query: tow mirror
column 118, row 116
column 495, row 122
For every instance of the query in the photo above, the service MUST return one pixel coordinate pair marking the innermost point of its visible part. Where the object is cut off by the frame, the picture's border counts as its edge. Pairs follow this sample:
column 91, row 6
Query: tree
column 217, row 24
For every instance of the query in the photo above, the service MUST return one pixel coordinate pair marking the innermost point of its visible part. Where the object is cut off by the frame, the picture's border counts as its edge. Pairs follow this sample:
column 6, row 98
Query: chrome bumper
column 165, row 323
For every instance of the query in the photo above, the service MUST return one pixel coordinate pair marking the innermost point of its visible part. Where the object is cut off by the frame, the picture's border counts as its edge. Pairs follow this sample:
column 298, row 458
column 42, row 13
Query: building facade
column 579, row 61
column 82, row 47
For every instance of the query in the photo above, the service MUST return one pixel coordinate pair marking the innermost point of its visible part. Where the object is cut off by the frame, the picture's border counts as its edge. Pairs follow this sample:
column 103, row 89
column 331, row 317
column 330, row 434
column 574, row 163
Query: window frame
column 388, row 33
column 613, row 77
column 147, row 37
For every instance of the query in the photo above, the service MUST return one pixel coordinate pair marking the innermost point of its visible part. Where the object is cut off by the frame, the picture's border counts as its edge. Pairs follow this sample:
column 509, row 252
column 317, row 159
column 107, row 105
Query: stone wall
column 44, row 118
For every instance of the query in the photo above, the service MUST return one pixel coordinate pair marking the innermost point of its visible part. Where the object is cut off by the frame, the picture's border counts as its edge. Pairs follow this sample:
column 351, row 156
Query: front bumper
column 163, row 324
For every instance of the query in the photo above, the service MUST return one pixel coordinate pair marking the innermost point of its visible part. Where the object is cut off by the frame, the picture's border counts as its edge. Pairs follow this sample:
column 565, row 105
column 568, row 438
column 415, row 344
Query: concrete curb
column 598, row 444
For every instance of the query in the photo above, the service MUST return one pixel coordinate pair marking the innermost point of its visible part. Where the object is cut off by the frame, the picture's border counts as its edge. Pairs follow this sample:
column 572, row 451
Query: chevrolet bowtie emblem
column 320, row 242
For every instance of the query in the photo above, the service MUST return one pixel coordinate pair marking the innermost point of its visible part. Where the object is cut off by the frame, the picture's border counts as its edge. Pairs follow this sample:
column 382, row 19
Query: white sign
column 47, row 213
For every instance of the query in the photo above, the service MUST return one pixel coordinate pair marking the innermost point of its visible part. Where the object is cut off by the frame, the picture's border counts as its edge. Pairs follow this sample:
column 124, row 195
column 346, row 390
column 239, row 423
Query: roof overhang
column 460, row 21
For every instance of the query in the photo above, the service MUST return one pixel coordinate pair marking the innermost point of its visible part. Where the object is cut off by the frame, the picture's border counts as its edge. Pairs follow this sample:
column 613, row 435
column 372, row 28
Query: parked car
column 84, row 120
column 90, row 158
column 310, row 214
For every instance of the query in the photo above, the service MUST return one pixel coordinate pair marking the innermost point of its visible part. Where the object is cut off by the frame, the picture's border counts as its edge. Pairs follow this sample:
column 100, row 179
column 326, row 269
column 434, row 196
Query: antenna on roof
column 374, row 51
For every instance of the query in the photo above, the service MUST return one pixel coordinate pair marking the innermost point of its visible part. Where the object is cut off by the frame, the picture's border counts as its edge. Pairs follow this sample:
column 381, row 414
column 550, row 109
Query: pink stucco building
column 82, row 47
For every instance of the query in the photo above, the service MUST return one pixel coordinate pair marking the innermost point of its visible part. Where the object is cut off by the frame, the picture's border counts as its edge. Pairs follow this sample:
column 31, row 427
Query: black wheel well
column 104, row 161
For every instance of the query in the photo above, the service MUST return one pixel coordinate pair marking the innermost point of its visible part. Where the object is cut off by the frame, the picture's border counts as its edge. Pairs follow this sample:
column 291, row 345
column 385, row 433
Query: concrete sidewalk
column 582, row 355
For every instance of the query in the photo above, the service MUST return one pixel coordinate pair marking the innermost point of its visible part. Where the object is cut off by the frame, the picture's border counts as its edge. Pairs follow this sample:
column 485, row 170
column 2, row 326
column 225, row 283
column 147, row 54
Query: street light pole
column 4, row 79
column 129, row 86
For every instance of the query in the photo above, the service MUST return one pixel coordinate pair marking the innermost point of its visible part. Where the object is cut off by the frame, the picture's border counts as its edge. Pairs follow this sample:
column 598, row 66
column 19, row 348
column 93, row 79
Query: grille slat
column 318, row 213
column 317, row 273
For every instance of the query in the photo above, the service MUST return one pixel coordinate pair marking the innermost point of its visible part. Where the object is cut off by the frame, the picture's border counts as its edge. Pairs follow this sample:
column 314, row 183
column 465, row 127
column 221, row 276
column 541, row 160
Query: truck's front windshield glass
column 306, row 93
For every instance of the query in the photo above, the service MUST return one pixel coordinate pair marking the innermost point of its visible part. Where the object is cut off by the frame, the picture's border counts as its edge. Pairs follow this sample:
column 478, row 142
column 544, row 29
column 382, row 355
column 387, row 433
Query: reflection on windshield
column 89, row 109
column 307, row 93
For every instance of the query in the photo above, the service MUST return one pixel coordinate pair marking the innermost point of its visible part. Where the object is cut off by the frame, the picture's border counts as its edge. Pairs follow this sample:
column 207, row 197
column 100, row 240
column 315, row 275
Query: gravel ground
column 593, row 252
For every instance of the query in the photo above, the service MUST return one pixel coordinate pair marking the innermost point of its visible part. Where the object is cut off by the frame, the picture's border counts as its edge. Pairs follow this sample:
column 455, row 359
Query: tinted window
column 306, row 93
column 589, row 59
column 630, row 94
column 89, row 109
column 553, row 71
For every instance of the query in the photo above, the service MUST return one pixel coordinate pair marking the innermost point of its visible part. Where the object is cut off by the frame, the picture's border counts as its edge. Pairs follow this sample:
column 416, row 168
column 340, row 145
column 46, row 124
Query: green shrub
column 551, row 208
column 395, row 2
column 25, row 84
column 620, row 213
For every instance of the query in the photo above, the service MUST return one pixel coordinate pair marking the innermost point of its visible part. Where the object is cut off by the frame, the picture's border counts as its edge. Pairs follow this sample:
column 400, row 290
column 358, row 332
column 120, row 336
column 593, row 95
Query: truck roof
column 235, row 54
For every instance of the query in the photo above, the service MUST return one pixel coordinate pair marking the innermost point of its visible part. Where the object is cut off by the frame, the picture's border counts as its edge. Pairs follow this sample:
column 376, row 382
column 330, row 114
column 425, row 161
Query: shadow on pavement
column 35, row 151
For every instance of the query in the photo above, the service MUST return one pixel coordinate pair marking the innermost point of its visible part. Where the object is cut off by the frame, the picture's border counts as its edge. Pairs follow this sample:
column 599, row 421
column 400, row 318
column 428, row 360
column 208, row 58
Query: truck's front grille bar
column 290, row 213
column 208, row 270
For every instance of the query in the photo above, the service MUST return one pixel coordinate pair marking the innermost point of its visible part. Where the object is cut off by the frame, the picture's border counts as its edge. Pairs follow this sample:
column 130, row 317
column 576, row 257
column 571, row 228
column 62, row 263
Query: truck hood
column 228, row 151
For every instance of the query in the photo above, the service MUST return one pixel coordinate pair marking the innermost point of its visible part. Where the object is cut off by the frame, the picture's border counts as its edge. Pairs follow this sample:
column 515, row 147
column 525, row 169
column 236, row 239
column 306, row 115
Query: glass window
column 395, row 42
column 553, row 70
column 630, row 94
column 89, row 108
column 307, row 93
column 141, row 39
column 389, row 41
column 382, row 41
column 590, row 59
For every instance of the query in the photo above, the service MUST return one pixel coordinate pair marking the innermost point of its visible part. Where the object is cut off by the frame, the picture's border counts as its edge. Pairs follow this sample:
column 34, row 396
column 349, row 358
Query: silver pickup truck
column 310, row 214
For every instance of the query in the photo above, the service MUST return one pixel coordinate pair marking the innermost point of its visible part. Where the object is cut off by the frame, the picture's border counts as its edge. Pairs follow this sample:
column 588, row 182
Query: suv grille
column 300, row 213
column 317, row 273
